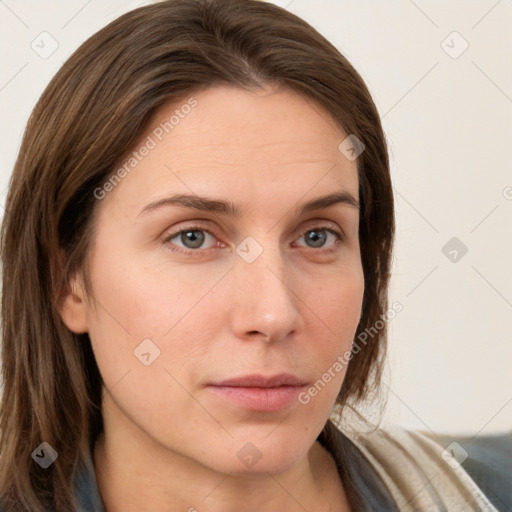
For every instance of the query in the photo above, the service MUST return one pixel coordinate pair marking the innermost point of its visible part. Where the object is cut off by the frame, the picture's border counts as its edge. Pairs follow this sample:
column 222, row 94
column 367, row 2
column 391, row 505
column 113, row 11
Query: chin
column 267, row 454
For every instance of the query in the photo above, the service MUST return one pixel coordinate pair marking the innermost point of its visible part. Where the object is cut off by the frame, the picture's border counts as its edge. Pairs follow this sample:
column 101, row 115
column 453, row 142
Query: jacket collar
column 85, row 488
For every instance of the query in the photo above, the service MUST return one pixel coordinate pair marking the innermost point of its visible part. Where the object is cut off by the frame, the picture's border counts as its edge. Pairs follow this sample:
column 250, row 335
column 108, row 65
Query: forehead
column 231, row 119
column 229, row 141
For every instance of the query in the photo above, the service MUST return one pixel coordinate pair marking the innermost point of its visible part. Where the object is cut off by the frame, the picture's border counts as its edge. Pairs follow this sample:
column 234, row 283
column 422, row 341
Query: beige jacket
column 420, row 474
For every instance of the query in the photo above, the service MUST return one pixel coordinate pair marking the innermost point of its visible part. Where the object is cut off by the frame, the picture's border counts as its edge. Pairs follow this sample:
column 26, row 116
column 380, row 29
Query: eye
column 317, row 237
column 192, row 239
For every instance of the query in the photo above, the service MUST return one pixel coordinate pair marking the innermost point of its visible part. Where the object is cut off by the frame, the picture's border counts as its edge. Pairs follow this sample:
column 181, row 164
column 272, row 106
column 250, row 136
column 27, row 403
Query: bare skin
column 171, row 443
column 324, row 491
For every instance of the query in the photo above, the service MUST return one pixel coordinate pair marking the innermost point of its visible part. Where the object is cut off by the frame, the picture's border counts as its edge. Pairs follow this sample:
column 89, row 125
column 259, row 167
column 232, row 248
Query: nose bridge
column 266, row 302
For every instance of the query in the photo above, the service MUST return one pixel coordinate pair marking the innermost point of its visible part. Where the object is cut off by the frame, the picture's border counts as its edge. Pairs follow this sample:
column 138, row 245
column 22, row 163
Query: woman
column 199, row 226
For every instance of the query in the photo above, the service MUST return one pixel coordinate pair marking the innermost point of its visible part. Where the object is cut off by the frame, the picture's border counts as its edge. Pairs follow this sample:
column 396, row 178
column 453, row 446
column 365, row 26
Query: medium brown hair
column 92, row 112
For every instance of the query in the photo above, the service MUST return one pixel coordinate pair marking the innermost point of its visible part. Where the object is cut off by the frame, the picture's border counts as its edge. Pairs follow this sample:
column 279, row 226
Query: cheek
column 142, row 299
column 337, row 304
column 334, row 314
column 149, row 313
column 147, row 339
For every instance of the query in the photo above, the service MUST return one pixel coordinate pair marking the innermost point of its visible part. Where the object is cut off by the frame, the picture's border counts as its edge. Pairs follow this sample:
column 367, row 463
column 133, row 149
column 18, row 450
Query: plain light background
column 441, row 76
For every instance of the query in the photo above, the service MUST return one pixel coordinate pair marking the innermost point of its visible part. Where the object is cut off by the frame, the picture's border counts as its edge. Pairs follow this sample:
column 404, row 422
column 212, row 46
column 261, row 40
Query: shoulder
column 488, row 461
column 422, row 471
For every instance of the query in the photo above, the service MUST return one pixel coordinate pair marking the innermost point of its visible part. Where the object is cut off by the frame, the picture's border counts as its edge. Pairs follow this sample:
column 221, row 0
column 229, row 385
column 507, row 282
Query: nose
column 267, row 304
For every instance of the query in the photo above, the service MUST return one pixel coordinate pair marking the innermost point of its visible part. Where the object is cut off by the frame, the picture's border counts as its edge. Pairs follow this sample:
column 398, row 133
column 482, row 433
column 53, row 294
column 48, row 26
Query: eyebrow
column 206, row 204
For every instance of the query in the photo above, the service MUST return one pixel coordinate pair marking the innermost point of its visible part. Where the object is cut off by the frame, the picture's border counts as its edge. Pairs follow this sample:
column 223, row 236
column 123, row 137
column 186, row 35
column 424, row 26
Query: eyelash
column 340, row 238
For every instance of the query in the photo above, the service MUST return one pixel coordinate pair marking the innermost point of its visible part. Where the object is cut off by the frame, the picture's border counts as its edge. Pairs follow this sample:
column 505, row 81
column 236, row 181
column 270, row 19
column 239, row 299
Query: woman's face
column 184, row 297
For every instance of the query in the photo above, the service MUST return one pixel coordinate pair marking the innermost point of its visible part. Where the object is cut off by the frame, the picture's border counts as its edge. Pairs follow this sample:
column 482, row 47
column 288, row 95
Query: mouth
column 259, row 393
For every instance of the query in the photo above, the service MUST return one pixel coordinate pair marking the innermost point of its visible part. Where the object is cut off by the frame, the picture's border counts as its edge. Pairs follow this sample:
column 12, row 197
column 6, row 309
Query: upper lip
column 260, row 381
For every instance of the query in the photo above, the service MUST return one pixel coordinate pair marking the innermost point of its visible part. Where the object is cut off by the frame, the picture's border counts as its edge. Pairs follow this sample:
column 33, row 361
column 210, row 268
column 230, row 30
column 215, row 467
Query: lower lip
column 259, row 399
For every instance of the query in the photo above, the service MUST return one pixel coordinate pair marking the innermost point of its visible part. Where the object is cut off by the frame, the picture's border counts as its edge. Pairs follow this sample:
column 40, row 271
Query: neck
column 135, row 473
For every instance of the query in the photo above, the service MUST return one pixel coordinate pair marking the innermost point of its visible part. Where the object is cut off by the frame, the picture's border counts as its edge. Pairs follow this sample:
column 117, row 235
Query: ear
column 72, row 305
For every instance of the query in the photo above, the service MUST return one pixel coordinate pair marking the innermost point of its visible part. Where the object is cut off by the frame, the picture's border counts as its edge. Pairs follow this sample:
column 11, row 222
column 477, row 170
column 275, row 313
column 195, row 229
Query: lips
column 259, row 381
column 260, row 393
